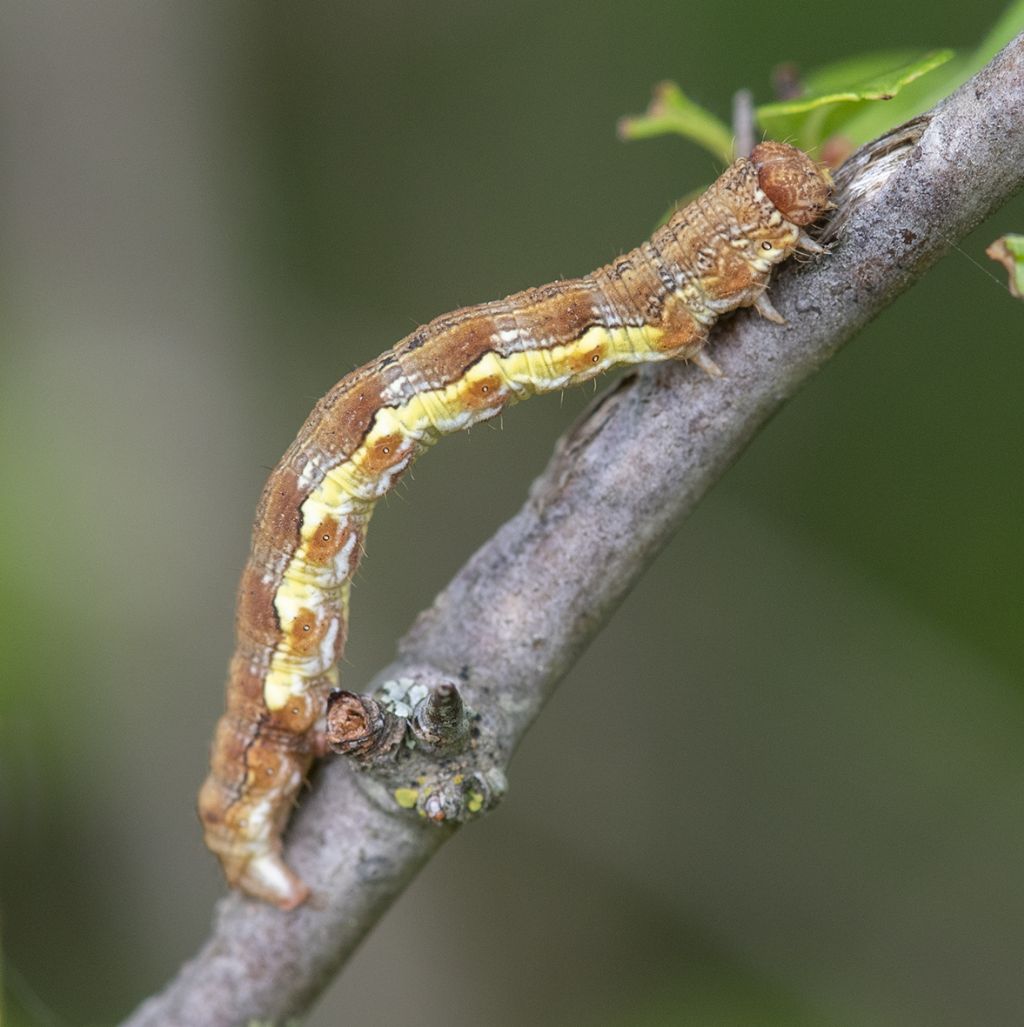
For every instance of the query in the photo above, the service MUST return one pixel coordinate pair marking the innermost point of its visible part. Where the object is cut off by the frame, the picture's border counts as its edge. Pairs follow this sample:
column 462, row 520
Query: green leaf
column 878, row 76
column 1008, row 250
column 671, row 112
column 836, row 93
column 874, row 119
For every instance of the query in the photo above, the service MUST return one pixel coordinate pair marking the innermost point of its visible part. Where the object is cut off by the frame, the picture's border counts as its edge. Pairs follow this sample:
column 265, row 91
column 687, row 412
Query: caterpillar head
column 792, row 181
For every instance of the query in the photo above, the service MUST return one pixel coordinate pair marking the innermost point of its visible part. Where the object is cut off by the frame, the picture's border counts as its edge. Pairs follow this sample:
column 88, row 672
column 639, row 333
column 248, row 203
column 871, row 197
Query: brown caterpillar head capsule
column 792, row 181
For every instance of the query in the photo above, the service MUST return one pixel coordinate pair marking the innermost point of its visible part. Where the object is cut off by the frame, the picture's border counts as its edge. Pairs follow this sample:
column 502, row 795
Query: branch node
column 360, row 727
column 419, row 748
column 440, row 722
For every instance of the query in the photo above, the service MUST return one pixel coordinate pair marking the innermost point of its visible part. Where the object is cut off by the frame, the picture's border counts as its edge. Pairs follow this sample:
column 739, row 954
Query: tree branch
column 521, row 611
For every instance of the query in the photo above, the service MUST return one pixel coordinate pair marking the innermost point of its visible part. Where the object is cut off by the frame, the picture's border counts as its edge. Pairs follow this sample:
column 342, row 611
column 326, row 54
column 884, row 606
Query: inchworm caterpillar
column 657, row 302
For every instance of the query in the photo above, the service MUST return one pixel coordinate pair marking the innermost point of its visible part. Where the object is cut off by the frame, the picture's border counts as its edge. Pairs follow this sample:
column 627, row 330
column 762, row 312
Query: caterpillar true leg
column 707, row 365
column 805, row 242
column 766, row 309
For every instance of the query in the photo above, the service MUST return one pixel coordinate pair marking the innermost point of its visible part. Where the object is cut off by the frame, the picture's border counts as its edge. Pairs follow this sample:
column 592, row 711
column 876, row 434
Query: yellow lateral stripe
column 303, row 585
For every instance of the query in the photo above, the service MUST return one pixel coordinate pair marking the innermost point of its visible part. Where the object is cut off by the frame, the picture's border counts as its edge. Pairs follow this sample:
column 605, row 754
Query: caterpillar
column 657, row 302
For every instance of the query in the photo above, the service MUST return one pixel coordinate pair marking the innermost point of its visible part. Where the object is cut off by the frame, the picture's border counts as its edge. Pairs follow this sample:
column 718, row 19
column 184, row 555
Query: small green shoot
column 672, row 112
column 836, row 108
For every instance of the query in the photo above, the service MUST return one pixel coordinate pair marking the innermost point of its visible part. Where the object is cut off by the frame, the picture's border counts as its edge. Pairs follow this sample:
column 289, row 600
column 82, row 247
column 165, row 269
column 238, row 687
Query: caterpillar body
column 657, row 302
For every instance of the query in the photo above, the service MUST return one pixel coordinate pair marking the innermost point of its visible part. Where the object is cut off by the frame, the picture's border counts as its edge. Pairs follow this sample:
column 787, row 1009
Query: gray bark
column 526, row 604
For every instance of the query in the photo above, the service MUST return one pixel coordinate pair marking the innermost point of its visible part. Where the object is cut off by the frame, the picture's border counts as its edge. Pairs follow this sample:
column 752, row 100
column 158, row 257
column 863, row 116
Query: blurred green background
column 810, row 812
